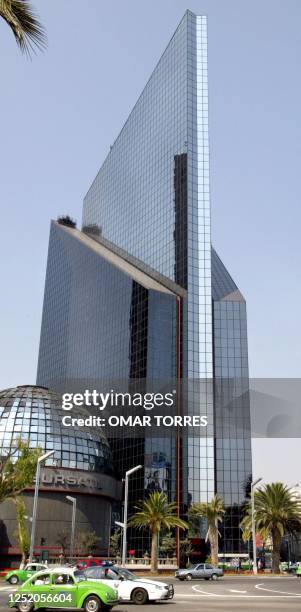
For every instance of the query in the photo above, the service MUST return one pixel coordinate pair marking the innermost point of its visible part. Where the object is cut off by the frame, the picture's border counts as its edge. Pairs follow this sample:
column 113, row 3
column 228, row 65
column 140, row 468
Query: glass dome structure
column 35, row 414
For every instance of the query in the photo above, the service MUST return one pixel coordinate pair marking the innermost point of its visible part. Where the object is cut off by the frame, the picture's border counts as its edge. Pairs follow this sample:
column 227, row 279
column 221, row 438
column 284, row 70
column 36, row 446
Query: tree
column 115, row 543
column 17, row 469
column 168, row 544
column 213, row 512
column 62, row 540
column 156, row 513
column 22, row 531
column 23, row 22
column 87, row 541
column 277, row 511
column 186, row 549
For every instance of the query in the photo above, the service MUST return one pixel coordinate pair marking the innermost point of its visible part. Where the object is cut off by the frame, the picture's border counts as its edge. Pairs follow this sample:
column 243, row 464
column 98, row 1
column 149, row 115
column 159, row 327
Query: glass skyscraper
column 140, row 292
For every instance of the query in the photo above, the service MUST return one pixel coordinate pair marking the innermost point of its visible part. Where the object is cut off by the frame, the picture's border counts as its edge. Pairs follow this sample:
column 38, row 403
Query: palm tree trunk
column 276, row 538
column 154, row 552
column 213, row 539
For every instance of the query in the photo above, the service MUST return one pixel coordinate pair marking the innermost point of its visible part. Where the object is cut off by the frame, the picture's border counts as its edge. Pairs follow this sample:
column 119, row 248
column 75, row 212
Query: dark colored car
column 204, row 571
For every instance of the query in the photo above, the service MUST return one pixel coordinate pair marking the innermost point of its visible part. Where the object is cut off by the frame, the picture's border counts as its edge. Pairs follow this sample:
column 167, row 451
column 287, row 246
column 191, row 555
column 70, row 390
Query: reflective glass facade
column 82, row 466
column 151, row 199
column 99, row 323
column 35, row 414
column 232, row 405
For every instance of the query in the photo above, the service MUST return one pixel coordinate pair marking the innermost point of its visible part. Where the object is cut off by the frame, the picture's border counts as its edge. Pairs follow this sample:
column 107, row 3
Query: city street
column 229, row 593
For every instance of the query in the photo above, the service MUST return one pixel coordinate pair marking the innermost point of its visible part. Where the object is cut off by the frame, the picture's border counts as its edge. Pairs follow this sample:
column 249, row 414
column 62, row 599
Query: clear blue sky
column 61, row 111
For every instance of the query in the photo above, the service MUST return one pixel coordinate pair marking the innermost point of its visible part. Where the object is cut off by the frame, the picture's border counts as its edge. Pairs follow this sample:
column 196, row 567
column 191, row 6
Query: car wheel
column 139, row 596
column 25, row 606
column 189, row 577
column 214, row 577
column 14, row 580
column 92, row 604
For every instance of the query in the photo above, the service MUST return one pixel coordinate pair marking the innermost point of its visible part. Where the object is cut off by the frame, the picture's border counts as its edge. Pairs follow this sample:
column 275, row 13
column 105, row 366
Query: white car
column 129, row 586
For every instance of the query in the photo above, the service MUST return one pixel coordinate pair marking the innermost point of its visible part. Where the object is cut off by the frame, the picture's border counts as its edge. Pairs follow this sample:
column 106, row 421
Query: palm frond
column 213, row 511
column 276, row 508
column 156, row 512
column 25, row 25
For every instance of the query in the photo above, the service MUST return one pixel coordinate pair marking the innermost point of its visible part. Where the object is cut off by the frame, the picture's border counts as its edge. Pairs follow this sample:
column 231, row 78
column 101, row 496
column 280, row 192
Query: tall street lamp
column 35, row 501
column 125, row 510
column 253, row 485
column 73, row 501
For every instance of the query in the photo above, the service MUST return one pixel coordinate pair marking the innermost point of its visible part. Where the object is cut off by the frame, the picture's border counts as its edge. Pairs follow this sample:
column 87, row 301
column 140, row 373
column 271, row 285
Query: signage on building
column 65, row 479
column 80, row 481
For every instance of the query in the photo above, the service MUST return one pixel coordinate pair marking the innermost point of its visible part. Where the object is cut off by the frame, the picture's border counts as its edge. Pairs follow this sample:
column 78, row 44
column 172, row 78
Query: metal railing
column 163, row 562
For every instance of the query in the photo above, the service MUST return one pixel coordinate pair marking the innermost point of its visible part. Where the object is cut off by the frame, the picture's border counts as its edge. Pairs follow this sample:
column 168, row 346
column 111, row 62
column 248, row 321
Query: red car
column 84, row 563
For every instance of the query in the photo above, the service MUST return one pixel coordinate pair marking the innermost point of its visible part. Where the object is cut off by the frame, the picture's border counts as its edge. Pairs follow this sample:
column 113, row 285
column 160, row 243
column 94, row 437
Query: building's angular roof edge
column 224, row 287
column 140, row 272
column 186, row 13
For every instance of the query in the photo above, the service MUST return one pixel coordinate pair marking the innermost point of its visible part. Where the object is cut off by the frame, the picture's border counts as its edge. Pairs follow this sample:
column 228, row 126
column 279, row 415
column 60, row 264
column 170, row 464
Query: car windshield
column 79, row 576
column 127, row 574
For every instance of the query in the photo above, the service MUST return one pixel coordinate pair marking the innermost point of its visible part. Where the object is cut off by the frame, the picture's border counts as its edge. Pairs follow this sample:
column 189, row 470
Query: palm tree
column 277, row 510
column 213, row 512
column 24, row 24
column 155, row 512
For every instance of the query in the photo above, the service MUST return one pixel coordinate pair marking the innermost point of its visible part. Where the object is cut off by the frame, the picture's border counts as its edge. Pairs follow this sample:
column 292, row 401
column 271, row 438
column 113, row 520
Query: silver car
column 201, row 570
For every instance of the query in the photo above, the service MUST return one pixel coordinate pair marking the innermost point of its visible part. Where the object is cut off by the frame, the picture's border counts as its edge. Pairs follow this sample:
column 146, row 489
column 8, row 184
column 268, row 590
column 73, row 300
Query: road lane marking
column 235, row 591
column 238, row 596
column 267, row 597
column 195, row 588
column 261, row 587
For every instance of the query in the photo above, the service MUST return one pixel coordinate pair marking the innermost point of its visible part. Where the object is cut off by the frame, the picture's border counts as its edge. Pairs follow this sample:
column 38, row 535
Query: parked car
column 20, row 575
column 201, row 570
column 130, row 587
column 291, row 567
column 89, row 562
column 63, row 588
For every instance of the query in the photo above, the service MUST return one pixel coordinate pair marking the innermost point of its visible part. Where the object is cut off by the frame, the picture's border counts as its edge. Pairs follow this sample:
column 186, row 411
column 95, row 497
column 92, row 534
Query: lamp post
column 119, row 524
column 35, row 501
column 253, row 485
column 125, row 511
column 249, row 559
column 73, row 501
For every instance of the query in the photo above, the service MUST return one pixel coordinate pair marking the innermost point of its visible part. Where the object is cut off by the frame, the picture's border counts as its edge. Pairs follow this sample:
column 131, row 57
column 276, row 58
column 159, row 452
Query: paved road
column 229, row 594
